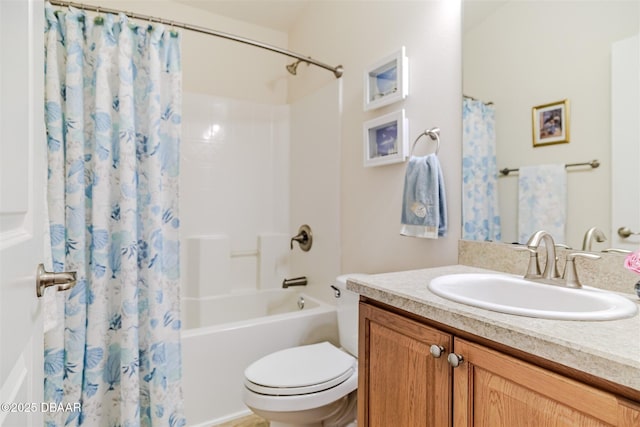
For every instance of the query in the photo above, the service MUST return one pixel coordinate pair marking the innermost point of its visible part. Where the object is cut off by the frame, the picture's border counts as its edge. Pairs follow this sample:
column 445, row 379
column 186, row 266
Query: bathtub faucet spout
column 296, row 281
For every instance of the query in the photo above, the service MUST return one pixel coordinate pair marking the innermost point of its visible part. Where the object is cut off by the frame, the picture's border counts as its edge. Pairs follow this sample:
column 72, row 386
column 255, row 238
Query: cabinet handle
column 454, row 359
column 436, row 350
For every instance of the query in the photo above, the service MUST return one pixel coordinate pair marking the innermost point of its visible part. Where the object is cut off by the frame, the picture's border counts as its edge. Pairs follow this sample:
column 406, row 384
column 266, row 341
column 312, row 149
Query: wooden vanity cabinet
column 495, row 390
column 403, row 385
column 400, row 382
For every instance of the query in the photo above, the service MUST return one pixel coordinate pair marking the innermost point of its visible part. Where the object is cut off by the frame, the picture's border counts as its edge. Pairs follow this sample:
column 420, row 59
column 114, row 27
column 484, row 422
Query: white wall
column 532, row 53
column 357, row 34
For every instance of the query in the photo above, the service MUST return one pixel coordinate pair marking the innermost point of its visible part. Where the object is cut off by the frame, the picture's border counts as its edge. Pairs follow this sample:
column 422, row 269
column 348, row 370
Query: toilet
column 311, row 385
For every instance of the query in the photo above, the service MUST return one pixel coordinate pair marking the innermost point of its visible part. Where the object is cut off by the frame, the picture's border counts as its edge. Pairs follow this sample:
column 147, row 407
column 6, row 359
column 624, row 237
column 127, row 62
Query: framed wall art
column 550, row 123
column 385, row 139
column 386, row 81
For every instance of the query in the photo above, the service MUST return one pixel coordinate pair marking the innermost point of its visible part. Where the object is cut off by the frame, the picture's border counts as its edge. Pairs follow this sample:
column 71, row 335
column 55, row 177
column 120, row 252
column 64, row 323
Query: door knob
column 64, row 281
column 625, row 232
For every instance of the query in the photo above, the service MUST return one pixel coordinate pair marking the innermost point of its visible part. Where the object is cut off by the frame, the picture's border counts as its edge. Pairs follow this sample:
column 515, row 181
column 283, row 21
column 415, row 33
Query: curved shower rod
column 337, row 71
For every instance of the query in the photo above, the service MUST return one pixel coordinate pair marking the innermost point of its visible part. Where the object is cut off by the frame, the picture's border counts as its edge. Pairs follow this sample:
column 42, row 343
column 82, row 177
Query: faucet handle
column 533, row 269
column 617, row 251
column 570, row 274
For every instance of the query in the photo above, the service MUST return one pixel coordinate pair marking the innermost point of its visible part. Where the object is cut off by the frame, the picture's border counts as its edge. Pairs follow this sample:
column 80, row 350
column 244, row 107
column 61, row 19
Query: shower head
column 291, row 68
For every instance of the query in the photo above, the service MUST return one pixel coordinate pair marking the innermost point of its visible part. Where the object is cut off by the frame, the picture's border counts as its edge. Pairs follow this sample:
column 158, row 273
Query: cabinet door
column 400, row 383
column 494, row 390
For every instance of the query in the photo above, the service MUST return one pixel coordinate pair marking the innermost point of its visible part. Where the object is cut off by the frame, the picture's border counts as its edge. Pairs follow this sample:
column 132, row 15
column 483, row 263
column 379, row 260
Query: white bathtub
column 222, row 335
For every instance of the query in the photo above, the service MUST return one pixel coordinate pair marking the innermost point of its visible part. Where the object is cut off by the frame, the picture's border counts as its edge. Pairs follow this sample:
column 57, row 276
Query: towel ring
column 434, row 134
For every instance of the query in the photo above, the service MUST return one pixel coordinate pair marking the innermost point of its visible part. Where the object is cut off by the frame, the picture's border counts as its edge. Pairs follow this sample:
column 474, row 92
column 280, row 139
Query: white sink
column 515, row 295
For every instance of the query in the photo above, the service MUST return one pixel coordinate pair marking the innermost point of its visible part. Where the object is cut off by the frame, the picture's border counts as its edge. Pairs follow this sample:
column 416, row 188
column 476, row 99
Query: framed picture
column 385, row 82
column 550, row 123
column 385, row 139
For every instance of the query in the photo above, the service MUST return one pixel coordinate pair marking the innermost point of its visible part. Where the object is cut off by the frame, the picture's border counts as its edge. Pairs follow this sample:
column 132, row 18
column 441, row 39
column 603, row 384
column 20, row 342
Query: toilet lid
column 300, row 370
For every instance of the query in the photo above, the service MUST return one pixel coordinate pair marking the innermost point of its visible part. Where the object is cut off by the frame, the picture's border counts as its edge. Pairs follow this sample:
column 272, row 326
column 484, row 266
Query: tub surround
column 231, row 242
column 607, row 350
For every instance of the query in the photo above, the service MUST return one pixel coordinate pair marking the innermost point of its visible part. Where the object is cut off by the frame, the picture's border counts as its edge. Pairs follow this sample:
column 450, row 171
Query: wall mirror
column 522, row 54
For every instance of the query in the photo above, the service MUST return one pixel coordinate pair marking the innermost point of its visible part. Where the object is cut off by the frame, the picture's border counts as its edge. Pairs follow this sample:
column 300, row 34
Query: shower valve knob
column 304, row 238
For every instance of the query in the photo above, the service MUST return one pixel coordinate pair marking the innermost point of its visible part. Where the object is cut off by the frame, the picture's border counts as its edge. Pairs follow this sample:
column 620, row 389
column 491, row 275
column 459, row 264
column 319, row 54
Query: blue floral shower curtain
column 112, row 106
column 480, row 215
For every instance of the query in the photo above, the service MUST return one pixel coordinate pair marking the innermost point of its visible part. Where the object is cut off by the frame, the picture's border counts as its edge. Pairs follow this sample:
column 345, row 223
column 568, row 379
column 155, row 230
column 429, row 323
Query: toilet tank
column 347, row 313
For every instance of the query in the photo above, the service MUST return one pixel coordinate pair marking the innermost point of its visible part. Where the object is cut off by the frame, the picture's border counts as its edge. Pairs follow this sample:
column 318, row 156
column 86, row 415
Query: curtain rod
column 594, row 164
column 337, row 71
column 474, row 99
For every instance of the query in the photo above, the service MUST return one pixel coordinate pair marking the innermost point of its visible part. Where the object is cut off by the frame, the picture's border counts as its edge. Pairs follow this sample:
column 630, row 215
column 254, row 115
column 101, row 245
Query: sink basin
column 514, row 295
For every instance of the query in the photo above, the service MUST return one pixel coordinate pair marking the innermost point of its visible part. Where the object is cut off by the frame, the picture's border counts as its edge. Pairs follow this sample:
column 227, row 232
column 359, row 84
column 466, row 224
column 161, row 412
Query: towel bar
column 434, row 134
column 594, row 164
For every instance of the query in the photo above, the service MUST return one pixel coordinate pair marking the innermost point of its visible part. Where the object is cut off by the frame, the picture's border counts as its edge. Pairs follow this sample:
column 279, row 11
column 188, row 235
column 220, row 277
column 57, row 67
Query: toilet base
column 341, row 413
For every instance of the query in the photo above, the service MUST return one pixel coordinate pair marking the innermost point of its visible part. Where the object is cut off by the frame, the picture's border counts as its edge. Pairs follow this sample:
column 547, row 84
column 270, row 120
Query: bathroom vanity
column 429, row 361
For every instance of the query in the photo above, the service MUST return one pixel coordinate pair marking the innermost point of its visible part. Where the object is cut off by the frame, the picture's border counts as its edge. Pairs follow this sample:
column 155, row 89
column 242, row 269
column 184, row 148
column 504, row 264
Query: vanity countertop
column 606, row 349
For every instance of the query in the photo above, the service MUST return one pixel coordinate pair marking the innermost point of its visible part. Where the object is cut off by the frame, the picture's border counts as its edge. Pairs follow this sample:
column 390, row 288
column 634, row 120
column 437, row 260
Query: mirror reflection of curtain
column 480, row 215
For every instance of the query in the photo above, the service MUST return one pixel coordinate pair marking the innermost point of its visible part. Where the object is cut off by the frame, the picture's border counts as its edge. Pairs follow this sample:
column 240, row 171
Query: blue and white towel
column 542, row 201
column 424, row 205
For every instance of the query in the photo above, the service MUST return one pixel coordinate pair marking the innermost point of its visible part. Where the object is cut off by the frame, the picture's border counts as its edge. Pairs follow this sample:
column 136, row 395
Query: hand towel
column 542, row 201
column 424, row 206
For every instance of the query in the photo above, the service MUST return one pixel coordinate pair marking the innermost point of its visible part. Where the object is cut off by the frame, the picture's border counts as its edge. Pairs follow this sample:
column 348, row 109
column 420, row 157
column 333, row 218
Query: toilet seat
column 300, row 370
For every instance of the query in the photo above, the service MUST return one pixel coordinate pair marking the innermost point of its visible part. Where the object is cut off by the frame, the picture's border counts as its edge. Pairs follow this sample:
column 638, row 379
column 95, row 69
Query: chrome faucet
column 550, row 274
column 551, row 266
column 590, row 235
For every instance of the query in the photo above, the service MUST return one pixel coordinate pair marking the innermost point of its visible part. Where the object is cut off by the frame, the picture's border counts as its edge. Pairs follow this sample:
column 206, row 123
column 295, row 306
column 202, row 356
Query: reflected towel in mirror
column 542, row 201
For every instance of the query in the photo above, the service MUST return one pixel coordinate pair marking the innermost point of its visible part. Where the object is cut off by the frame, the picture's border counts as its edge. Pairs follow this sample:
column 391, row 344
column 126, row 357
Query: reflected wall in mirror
column 521, row 54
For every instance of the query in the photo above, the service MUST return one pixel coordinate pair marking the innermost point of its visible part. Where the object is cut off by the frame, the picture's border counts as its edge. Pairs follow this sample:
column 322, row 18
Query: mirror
column 524, row 54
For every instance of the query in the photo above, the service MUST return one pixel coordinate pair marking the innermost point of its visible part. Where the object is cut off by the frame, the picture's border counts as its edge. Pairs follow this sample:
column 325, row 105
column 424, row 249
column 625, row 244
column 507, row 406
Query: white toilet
column 312, row 385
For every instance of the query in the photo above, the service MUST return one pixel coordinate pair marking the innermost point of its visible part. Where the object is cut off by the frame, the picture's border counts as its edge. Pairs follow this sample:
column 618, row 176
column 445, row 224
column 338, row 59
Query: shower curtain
column 480, row 215
column 112, row 107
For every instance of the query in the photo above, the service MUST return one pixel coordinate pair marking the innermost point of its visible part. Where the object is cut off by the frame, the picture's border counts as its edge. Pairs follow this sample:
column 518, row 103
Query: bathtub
column 222, row 335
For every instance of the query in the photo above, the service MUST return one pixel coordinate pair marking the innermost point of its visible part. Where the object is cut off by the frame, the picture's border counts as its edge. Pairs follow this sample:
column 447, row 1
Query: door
column 625, row 142
column 22, row 181
column 495, row 390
